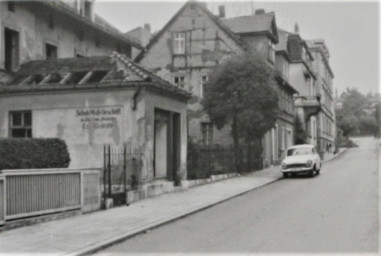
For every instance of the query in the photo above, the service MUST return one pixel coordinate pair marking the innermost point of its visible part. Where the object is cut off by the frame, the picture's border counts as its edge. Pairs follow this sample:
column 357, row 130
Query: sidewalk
column 89, row 232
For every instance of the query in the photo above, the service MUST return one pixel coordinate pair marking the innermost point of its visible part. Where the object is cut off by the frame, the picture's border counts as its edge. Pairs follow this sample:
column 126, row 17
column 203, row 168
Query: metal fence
column 27, row 193
column 122, row 170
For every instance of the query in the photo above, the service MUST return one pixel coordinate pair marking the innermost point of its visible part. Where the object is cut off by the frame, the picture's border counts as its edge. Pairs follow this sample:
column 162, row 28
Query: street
column 335, row 212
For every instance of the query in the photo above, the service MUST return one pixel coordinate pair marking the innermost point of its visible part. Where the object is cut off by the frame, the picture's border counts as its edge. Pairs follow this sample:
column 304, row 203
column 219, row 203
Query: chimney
column 259, row 11
column 221, row 10
column 147, row 26
column 296, row 28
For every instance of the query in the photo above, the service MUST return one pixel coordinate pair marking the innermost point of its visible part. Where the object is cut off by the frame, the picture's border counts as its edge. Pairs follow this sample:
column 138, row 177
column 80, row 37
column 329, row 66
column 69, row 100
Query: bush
column 33, row 153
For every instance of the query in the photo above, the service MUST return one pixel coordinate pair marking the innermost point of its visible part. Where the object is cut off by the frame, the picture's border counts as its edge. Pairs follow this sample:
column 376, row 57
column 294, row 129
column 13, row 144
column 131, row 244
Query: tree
column 241, row 93
column 348, row 124
column 300, row 132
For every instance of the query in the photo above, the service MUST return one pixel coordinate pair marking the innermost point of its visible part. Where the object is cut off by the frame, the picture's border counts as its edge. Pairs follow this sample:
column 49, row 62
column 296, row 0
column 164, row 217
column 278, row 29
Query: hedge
column 33, row 153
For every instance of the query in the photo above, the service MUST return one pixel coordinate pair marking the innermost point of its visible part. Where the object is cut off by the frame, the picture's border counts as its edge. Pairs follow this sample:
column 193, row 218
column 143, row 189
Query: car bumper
column 298, row 170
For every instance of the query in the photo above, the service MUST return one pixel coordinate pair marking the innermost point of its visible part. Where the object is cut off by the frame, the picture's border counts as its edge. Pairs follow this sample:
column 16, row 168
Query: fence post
column 104, row 171
column 109, row 171
column 124, row 170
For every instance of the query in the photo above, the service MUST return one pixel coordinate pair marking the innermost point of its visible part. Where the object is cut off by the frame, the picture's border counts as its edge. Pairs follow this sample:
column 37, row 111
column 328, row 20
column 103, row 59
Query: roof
column 283, row 39
column 203, row 7
column 99, row 23
column 253, row 24
column 81, row 73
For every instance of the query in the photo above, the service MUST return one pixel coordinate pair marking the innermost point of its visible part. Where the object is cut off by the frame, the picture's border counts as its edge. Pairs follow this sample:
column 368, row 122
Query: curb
column 122, row 237
column 111, row 241
column 336, row 155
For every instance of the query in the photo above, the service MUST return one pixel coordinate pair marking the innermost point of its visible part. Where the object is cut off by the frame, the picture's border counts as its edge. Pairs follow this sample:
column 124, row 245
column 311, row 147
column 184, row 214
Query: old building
column 302, row 77
column 95, row 101
column 194, row 41
column 184, row 52
column 38, row 30
column 326, row 117
column 259, row 34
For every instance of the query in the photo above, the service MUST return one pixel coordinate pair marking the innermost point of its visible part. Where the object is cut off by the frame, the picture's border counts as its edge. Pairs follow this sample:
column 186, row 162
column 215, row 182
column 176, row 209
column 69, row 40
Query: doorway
column 166, row 144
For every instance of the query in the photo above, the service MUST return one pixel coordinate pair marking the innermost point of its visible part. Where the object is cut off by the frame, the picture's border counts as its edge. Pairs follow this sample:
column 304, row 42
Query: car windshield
column 299, row 151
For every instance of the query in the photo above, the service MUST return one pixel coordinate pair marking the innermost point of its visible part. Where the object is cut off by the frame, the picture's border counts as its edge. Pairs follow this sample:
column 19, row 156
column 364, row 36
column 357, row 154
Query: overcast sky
column 350, row 29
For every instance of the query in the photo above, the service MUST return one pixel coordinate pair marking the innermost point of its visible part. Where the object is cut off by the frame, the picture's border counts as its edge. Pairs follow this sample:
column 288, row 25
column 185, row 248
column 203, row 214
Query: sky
column 350, row 29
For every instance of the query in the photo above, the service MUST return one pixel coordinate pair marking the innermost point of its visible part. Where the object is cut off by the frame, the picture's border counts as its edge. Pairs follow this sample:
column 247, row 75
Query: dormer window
column 271, row 52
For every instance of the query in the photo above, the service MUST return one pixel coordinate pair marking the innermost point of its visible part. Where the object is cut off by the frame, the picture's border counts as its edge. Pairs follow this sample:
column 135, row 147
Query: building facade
column 193, row 42
column 326, row 117
column 38, row 30
column 303, row 78
column 95, row 101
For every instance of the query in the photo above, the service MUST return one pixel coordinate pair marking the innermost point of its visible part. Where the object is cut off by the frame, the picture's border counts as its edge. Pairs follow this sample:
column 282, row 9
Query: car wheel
column 317, row 172
column 285, row 175
column 311, row 173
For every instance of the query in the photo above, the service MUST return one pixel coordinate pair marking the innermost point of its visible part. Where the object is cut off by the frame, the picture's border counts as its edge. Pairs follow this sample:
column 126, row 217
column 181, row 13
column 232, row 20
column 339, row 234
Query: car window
column 299, row 151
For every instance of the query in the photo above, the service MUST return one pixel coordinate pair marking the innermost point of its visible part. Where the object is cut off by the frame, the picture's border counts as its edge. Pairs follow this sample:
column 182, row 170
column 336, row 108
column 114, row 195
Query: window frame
column 53, row 46
column 179, row 83
column 207, row 133
column 179, row 43
column 271, row 51
column 22, row 126
column 202, row 85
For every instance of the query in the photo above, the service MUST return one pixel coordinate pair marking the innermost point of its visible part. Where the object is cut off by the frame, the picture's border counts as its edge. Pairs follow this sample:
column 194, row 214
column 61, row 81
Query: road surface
column 335, row 212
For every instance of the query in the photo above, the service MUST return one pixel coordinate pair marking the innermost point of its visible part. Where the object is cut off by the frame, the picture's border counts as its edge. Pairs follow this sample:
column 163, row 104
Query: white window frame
column 180, row 81
column 204, row 80
column 179, row 43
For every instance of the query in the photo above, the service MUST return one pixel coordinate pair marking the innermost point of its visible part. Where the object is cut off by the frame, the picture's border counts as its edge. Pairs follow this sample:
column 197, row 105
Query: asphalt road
column 335, row 212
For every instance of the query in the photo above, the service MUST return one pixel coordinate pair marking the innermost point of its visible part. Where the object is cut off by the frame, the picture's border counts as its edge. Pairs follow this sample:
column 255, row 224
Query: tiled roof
column 283, row 39
column 77, row 73
column 249, row 24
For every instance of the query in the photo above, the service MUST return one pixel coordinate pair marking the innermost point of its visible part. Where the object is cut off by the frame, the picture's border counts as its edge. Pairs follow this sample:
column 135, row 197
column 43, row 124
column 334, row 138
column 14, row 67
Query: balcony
column 311, row 105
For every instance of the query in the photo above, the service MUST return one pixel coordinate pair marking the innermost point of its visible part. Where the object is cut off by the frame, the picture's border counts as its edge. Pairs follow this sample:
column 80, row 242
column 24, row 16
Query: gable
column 207, row 41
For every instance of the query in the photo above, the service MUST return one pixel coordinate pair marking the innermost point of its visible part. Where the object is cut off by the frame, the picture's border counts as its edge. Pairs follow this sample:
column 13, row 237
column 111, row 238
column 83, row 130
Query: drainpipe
column 136, row 94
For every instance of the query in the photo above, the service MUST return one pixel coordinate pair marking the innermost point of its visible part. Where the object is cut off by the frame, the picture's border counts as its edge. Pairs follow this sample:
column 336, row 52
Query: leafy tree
column 368, row 125
column 353, row 102
column 241, row 93
column 348, row 124
column 300, row 132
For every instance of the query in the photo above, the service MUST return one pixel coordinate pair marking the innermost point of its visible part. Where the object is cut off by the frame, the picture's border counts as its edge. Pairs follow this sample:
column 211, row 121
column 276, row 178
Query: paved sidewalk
column 89, row 232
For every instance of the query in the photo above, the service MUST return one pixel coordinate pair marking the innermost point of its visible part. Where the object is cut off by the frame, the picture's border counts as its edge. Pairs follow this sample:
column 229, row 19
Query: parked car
column 301, row 159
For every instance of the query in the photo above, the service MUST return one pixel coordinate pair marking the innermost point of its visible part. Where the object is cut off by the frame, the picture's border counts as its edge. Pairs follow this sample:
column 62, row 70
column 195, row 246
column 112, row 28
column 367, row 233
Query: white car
column 301, row 159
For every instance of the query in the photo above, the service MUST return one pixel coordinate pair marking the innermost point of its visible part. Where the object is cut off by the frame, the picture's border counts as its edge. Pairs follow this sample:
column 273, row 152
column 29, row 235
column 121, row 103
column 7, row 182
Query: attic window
column 77, row 77
column 97, row 76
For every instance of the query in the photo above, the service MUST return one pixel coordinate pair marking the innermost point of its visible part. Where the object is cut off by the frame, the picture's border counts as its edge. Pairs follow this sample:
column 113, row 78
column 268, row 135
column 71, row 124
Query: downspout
column 136, row 94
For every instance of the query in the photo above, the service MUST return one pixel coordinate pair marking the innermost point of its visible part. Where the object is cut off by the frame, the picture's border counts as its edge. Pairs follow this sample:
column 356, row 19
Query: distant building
column 324, row 85
column 303, row 78
column 141, row 34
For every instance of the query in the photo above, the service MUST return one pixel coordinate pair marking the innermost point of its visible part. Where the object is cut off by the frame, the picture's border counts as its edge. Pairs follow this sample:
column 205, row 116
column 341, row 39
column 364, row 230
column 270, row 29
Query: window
column 20, row 124
column 51, row 52
column 11, row 6
column 179, row 81
column 11, row 49
column 179, row 43
column 271, row 52
column 204, row 80
column 88, row 9
column 207, row 133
